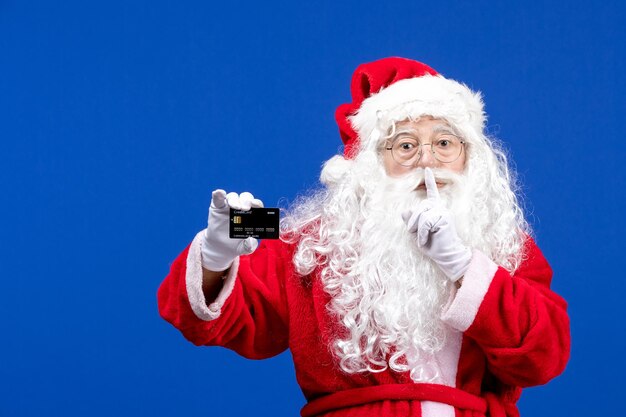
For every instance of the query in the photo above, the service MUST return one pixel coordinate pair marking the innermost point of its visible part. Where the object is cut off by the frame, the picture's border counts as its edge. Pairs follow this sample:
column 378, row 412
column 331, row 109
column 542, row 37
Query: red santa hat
column 395, row 89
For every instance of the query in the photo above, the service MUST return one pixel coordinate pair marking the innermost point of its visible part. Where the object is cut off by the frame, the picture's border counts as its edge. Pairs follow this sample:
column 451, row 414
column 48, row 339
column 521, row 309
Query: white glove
column 433, row 224
column 218, row 249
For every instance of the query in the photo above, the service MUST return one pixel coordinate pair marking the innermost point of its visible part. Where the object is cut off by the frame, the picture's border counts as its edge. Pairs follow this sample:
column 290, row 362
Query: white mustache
column 412, row 180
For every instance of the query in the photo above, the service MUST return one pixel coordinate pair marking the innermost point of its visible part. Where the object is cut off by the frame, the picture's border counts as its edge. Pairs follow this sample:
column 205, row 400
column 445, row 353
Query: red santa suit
column 503, row 333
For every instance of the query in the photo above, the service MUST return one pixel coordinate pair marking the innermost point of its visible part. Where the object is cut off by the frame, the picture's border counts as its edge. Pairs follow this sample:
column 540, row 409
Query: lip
column 422, row 185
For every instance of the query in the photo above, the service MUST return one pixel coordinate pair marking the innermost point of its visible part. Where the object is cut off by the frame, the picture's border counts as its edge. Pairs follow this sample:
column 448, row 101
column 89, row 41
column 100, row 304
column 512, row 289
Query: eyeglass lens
column 407, row 150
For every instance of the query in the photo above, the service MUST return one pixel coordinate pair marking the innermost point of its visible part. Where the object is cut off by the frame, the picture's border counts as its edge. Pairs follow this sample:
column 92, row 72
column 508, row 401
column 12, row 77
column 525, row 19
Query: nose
column 427, row 159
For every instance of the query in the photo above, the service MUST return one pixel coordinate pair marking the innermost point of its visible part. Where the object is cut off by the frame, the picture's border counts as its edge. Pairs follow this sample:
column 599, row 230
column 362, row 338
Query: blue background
column 117, row 119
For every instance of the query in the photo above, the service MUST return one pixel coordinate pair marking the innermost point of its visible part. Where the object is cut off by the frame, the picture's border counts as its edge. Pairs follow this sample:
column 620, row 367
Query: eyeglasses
column 407, row 151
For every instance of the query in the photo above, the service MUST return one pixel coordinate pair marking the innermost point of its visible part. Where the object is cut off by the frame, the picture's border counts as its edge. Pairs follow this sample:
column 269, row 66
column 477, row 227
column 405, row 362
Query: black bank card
column 261, row 223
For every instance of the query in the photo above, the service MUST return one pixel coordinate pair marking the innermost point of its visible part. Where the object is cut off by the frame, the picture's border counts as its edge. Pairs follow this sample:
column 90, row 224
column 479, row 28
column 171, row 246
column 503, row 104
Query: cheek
column 459, row 165
column 391, row 167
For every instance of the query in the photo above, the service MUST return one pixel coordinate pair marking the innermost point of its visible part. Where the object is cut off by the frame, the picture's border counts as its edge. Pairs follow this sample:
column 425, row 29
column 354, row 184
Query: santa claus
column 408, row 285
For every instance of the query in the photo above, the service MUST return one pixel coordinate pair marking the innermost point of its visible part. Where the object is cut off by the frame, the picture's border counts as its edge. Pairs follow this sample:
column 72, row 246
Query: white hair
column 387, row 295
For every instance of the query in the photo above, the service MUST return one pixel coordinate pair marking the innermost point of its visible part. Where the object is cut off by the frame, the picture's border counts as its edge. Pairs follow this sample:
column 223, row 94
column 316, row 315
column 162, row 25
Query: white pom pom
column 335, row 169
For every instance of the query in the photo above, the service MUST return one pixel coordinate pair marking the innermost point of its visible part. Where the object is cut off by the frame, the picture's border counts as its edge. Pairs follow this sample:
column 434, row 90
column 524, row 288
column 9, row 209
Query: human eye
column 446, row 141
column 406, row 145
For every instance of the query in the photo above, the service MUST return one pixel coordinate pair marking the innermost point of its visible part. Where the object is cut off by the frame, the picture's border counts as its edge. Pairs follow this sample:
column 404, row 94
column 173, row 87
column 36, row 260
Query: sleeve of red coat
column 249, row 315
column 520, row 324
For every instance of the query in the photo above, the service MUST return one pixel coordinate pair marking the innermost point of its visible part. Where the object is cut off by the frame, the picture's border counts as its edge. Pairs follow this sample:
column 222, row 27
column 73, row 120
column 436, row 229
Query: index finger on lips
column 432, row 192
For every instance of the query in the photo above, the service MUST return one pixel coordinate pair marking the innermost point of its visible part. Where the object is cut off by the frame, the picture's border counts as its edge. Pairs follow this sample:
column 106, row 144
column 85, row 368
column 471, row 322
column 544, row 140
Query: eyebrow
column 437, row 129
column 444, row 128
column 405, row 130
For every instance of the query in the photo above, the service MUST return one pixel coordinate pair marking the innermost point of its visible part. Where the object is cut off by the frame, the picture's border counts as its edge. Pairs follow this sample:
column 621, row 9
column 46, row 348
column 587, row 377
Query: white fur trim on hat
column 431, row 95
column 335, row 169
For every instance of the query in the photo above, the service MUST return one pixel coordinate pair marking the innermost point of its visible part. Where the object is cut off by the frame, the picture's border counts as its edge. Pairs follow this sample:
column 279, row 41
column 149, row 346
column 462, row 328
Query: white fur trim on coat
column 463, row 306
column 193, row 282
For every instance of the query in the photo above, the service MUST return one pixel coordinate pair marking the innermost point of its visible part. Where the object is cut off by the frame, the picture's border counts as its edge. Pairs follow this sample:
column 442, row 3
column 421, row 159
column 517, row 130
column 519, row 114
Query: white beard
column 386, row 293
column 392, row 298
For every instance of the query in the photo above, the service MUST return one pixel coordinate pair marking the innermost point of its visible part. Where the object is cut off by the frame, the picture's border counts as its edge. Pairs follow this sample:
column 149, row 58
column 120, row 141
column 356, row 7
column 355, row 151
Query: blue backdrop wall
column 117, row 119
